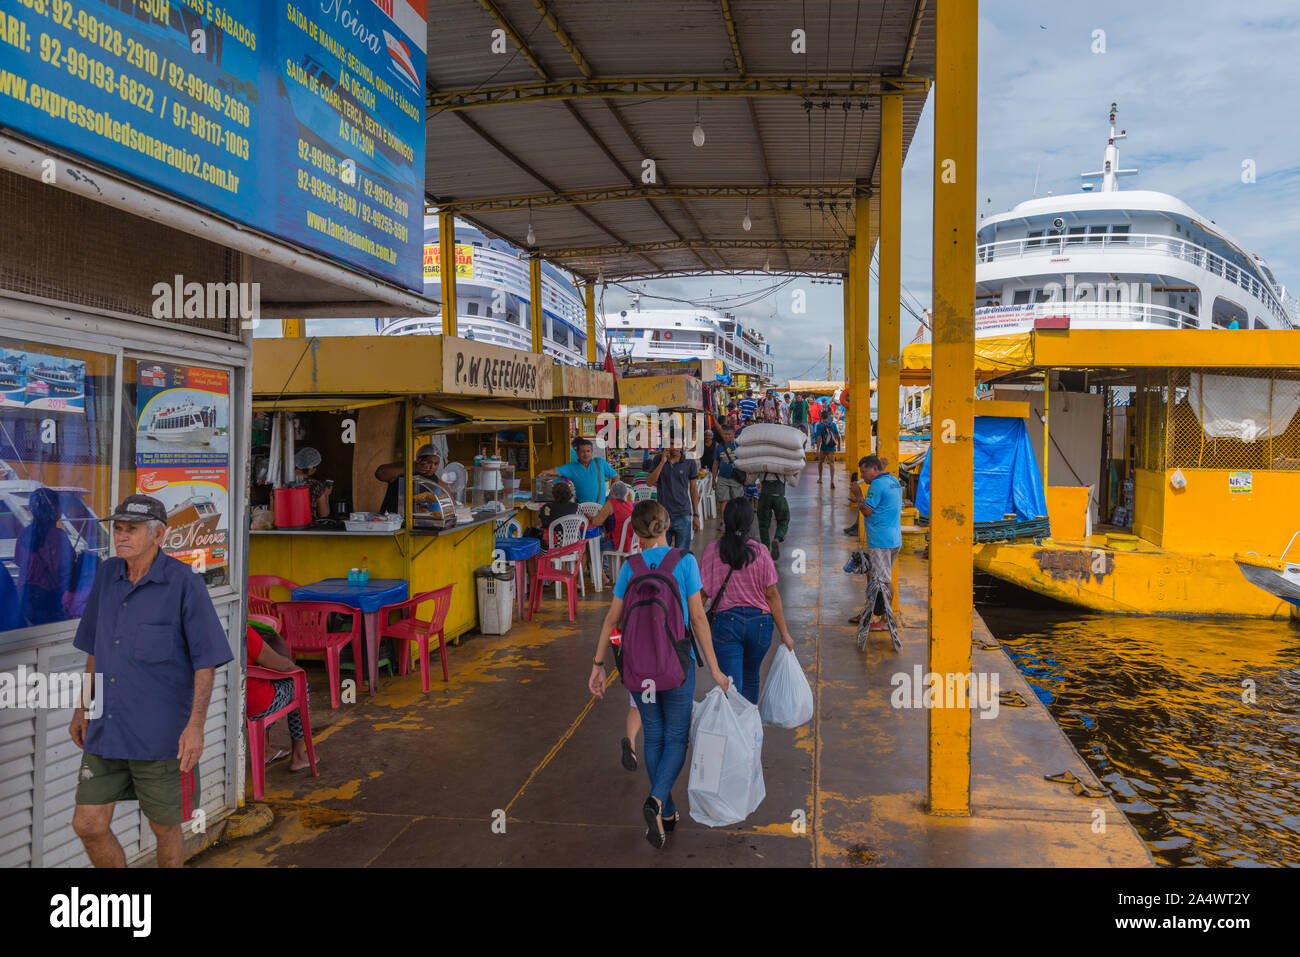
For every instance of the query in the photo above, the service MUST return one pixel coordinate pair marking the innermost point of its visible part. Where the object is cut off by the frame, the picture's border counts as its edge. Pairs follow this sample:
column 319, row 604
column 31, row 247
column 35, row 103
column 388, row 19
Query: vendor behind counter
column 427, row 463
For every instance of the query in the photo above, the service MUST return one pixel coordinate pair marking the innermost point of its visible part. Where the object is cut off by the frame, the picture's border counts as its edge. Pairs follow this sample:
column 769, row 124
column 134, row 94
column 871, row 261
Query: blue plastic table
column 519, row 550
column 367, row 597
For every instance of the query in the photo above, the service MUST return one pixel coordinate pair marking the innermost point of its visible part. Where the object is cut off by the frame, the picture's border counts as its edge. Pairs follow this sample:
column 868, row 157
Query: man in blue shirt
column 588, row 475
column 882, row 513
column 724, row 484
column 152, row 636
column 674, row 476
column 826, row 438
column 748, row 407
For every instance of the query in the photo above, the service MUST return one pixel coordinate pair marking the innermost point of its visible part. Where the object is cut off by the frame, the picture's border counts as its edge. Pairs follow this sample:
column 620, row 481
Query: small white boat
column 10, row 375
column 1279, row 577
column 60, row 380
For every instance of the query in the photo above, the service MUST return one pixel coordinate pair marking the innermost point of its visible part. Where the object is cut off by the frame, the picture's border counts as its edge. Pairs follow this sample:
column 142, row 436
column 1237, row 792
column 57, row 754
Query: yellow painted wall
column 1067, row 507
column 1206, row 516
column 1149, row 505
column 309, row 558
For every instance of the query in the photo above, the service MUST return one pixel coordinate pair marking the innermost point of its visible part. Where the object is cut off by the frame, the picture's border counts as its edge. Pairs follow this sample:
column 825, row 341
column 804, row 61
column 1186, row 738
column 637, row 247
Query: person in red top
column 814, row 411
column 614, row 515
column 265, row 696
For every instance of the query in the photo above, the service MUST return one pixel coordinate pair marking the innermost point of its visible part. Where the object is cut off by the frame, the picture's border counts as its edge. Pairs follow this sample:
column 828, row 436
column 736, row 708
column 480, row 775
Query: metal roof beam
column 733, row 35
column 807, row 245
column 607, row 194
column 816, row 274
column 562, row 35
column 714, row 86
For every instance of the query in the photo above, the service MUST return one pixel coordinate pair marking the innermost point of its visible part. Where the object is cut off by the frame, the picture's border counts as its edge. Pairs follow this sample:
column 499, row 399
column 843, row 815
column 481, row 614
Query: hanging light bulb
column 697, row 134
column 531, row 238
column 747, row 222
column 767, row 264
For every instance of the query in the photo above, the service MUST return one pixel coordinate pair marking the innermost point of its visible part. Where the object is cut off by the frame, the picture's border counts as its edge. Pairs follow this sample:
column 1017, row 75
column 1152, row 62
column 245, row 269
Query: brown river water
column 1155, row 706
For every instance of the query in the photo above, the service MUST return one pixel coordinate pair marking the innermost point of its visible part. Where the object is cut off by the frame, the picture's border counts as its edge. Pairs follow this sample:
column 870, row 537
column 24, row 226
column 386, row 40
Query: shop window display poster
column 38, row 381
column 182, row 454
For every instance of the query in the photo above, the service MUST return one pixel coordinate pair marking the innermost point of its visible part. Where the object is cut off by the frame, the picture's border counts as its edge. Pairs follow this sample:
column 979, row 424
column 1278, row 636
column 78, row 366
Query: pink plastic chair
column 304, row 630
column 257, row 728
column 260, row 601
column 548, row 572
column 409, row 629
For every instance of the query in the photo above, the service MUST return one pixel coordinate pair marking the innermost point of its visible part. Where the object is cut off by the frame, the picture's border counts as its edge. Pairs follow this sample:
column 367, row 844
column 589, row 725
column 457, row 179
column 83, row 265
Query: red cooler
column 292, row 507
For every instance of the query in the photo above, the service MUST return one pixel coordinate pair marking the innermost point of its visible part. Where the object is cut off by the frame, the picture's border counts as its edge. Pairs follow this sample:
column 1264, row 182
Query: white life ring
column 668, row 335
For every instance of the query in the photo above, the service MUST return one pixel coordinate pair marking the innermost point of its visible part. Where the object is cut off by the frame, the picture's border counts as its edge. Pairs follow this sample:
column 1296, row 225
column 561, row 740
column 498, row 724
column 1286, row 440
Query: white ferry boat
column 59, row 380
column 493, row 302
column 1119, row 259
column 11, row 375
column 185, row 423
column 641, row 335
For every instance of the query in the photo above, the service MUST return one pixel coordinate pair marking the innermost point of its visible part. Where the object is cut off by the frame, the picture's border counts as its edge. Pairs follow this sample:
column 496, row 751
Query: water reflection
column 1155, row 707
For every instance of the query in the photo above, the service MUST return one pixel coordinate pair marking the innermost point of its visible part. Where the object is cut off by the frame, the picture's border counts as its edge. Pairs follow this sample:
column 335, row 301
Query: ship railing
column 1153, row 243
column 1121, row 314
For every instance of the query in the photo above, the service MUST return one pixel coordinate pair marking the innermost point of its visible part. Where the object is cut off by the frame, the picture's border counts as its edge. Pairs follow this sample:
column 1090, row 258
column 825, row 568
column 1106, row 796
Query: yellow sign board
column 477, row 368
column 661, row 392
column 433, row 262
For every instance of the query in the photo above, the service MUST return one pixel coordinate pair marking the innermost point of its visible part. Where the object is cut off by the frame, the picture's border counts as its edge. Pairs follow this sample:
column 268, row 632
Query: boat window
column 1119, row 234
column 1076, row 234
column 471, row 308
column 1096, row 234
column 1035, row 238
column 1022, row 297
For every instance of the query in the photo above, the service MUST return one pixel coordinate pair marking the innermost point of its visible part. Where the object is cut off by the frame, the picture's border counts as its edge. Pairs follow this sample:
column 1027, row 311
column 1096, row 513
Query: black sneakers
column 776, row 549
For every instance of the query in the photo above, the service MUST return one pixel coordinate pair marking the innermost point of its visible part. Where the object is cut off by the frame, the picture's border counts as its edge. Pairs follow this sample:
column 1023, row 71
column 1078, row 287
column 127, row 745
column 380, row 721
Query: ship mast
column 1110, row 171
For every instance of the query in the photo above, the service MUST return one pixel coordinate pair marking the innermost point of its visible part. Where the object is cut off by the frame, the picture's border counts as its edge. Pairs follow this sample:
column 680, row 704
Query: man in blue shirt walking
column 589, row 475
column 882, row 514
column 152, row 636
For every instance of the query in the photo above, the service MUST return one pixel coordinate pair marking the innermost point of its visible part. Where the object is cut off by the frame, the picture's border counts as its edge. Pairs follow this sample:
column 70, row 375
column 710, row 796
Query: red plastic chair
column 548, row 572
column 260, row 601
column 409, row 629
column 304, row 630
column 257, row 727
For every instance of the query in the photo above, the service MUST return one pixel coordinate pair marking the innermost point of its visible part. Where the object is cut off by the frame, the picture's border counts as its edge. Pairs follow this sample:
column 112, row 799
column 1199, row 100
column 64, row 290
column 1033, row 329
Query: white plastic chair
column 642, row 493
column 590, row 509
column 508, row 528
column 617, row 555
column 708, row 507
column 566, row 531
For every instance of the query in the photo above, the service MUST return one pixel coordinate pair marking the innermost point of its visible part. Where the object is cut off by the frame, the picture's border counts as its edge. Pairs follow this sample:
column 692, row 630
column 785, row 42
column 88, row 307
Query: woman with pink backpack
column 656, row 603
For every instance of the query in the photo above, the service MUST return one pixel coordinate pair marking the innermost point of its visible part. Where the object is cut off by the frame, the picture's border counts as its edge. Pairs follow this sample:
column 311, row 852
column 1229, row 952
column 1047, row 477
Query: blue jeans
column 666, row 726
column 741, row 637
column 679, row 531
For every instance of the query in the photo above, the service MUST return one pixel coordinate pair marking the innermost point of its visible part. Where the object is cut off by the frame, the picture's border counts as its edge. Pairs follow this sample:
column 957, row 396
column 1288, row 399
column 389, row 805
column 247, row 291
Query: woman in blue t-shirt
column 667, row 719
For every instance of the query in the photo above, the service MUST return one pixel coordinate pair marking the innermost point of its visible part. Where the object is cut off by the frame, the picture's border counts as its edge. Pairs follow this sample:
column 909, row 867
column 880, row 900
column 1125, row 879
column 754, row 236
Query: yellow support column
column 952, row 408
column 292, row 328
column 891, row 225
column 447, row 271
column 850, row 294
column 1047, row 435
column 590, row 299
column 535, row 300
column 860, row 391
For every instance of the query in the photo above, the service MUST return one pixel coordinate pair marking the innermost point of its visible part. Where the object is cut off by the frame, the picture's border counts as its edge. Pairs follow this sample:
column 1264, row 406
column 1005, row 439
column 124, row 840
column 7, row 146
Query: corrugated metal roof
column 540, row 147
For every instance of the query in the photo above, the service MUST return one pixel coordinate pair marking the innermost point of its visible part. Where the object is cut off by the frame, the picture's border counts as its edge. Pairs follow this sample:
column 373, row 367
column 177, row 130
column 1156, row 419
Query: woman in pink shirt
column 739, row 574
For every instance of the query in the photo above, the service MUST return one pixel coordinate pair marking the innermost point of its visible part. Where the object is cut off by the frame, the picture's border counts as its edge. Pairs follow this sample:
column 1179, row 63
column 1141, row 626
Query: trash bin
column 496, row 600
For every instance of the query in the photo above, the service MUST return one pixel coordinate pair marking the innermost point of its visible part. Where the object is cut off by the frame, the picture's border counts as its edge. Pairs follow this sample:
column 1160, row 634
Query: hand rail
column 1157, row 243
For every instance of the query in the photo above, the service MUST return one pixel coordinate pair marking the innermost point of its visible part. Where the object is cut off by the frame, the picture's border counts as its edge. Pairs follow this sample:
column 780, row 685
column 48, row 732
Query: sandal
column 277, row 757
column 670, row 822
column 629, row 756
column 654, row 826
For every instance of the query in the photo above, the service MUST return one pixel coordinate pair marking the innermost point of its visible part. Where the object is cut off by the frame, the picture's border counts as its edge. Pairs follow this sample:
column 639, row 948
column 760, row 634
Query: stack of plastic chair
column 260, row 601
column 409, row 628
column 304, row 630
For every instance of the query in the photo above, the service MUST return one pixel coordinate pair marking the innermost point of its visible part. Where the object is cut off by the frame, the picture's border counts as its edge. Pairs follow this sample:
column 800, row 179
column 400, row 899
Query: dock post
column 952, row 410
column 888, row 349
column 850, row 311
column 447, row 271
column 589, row 299
column 860, row 394
column 535, row 300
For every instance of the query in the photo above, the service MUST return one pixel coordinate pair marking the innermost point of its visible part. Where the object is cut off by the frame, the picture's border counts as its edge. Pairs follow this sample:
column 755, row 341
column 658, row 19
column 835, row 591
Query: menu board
column 37, row 381
column 301, row 118
column 182, row 457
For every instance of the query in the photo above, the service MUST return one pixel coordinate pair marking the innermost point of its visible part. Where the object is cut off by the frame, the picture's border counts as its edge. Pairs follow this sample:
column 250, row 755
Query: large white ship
column 1106, row 258
column 492, row 300
column 641, row 335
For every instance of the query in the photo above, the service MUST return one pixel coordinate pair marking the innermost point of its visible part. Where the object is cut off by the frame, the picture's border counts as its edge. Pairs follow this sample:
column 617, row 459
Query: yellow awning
column 994, row 356
column 318, row 403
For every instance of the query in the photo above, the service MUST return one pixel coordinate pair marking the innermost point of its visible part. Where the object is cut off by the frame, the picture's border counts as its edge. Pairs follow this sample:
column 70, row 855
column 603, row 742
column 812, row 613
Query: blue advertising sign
column 301, row 118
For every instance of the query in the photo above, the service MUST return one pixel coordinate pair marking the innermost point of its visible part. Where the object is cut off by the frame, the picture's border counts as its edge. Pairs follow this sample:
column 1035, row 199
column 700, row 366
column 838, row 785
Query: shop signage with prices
column 301, row 119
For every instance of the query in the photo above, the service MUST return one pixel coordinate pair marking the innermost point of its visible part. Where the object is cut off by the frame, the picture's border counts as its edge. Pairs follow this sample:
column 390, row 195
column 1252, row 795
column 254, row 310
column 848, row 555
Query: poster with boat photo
column 197, row 503
column 184, row 417
column 38, row 381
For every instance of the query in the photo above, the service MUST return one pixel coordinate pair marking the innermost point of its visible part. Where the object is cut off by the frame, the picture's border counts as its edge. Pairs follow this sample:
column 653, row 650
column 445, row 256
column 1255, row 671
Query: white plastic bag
column 786, row 699
column 726, row 781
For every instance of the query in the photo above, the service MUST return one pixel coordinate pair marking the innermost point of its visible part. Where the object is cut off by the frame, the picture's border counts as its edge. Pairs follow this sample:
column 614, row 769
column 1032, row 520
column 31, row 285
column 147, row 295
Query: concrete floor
column 409, row 779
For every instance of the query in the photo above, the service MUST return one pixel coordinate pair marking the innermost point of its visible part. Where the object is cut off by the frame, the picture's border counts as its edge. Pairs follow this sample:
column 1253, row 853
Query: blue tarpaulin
column 1007, row 477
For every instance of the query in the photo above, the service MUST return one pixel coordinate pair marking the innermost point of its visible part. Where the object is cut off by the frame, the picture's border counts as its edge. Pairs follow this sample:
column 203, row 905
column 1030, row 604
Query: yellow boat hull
column 1147, row 580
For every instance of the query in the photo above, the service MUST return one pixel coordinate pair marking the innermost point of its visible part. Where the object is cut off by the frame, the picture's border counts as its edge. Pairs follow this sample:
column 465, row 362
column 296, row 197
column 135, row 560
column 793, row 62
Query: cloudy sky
column 1202, row 89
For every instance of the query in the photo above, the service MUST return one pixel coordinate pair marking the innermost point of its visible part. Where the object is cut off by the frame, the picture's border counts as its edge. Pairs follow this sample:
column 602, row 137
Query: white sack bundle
column 769, row 433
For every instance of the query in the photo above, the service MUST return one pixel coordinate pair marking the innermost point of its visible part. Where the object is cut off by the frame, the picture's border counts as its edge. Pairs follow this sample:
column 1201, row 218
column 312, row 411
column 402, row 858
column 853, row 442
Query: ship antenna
column 1110, row 171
